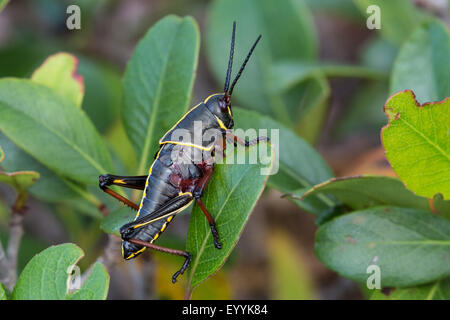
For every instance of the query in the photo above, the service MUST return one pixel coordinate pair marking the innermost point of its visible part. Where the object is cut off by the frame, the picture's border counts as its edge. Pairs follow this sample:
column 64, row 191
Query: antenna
column 230, row 61
column 243, row 65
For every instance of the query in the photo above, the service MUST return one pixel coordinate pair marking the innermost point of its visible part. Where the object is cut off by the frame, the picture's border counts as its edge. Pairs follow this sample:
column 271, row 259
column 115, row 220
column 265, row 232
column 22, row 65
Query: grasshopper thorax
column 220, row 106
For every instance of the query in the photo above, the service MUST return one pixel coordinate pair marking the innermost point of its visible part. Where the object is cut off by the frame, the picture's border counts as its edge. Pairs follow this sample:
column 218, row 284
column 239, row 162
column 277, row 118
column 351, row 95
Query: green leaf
column 45, row 277
column 360, row 192
column 410, row 246
column 19, row 180
column 309, row 103
column 61, row 66
column 3, row 295
column 422, row 63
column 158, row 82
column 289, row 18
column 230, row 198
column 398, row 17
column 300, row 166
column 52, row 130
column 121, row 147
column 439, row 290
column 49, row 187
column 305, row 90
column 95, row 287
column 113, row 221
column 287, row 74
column 59, row 72
column 416, row 143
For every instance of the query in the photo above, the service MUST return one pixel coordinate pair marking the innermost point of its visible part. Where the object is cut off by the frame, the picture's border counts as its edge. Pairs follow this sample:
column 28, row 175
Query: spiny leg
column 198, row 192
column 122, row 199
column 137, row 182
column 212, row 224
column 246, row 143
column 170, row 208
column 181, row 253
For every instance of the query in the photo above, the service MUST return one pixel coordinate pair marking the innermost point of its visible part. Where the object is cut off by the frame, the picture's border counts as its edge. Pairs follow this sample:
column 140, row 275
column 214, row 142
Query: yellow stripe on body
column 214, row 94
column 220, row 123
column 166, row 215
column 173, row 127
column 229, row 112
column 134, row 253
column 155, row 237
column 146, row 184
column 184, row 116
column 171, row 215
column 188, row 145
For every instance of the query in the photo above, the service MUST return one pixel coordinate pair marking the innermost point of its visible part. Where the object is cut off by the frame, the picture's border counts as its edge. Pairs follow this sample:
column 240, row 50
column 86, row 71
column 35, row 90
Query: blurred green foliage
column 130, row 97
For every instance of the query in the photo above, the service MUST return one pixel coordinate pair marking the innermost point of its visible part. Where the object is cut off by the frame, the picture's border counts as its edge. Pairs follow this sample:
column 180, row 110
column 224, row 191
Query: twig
column 111, row 252
column 8, row 261
column 108, row 257
column 15, row 237
column 4, row 267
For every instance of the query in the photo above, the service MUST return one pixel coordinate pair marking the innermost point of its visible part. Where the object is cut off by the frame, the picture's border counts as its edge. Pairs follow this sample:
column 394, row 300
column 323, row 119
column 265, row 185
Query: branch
column 108, row 257
column 15, row 237
column 4, row 267
column 8, row 261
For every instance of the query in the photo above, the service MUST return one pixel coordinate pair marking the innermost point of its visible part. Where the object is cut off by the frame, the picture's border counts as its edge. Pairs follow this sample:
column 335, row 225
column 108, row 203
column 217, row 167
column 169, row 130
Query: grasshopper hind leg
column 185, row 254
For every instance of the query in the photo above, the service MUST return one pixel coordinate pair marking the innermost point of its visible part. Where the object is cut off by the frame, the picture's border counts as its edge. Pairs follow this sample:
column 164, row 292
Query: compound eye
column 222, row 104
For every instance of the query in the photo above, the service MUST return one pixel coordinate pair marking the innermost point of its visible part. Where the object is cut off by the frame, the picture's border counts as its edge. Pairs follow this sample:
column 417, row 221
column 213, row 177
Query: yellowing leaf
column 417, row 143
column 59, row 72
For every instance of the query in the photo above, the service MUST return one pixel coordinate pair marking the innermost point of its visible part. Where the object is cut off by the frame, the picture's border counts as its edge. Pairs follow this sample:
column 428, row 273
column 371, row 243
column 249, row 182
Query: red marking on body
column 175, row 180
column 188, row 185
